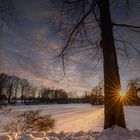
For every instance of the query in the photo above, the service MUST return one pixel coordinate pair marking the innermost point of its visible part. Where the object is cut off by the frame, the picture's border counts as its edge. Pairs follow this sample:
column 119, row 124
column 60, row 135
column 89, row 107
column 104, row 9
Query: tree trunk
column 114, row 114
column 22, row 94
column 9, row 97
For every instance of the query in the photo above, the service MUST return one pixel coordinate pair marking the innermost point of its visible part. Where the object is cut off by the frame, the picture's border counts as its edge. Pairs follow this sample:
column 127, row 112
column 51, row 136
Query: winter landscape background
column 69, row 70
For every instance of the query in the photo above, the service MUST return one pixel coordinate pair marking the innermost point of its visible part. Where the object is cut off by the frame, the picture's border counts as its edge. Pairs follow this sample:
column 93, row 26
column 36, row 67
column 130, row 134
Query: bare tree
column 33, row 93
column 3, row 82
column 83, row 18
column 97, row 94
column 133, row 91
column 7, row 13
column 24, row 84
column 16, row 88
column 11, row 80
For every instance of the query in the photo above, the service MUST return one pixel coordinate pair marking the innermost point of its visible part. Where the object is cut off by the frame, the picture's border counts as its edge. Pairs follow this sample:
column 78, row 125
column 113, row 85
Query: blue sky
column 29, row 46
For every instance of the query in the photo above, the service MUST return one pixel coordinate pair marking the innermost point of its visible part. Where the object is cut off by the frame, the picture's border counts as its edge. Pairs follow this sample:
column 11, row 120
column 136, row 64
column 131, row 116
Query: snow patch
column 114, row 133
column 118, row 133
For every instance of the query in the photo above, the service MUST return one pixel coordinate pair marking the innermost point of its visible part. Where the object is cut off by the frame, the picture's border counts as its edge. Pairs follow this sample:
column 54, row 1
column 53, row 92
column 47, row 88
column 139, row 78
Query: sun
column 124, row 97
column 122, row 94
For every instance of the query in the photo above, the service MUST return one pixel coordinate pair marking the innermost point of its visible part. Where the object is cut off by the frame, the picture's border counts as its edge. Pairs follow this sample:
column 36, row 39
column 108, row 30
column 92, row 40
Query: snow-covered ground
column 84, row 117
column 115, row 133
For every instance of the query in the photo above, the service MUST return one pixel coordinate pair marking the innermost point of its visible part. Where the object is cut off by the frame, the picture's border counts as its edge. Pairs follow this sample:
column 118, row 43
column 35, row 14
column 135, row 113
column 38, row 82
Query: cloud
column 30, row 51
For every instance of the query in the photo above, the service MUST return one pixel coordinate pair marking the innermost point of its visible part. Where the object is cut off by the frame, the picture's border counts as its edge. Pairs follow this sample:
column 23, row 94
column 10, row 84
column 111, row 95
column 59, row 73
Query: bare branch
column 71, row 2
column 125, row 25
column 125, row 48
column 75, row 28
column 131, row 44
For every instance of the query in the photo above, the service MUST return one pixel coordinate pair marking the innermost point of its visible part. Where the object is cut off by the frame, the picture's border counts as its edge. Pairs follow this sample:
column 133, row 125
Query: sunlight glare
column 122, row 94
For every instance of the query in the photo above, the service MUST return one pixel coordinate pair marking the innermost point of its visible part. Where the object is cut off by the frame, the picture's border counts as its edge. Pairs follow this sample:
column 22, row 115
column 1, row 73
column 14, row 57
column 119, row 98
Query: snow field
column 78, row 122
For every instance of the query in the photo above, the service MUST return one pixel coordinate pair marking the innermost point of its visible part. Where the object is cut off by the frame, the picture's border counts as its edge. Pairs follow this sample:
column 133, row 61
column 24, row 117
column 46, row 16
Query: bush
column 30, row 121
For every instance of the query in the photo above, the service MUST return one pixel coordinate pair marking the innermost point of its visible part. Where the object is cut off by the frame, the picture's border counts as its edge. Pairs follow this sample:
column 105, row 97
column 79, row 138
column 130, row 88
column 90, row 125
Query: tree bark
column 114, row 114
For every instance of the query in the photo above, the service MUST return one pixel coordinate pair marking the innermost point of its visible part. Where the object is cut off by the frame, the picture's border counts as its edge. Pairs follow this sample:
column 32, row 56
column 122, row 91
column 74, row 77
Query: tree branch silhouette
column 125, row 25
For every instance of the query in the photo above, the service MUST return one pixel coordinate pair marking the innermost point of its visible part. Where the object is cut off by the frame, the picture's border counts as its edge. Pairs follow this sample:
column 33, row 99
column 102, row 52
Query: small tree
column 97, row 94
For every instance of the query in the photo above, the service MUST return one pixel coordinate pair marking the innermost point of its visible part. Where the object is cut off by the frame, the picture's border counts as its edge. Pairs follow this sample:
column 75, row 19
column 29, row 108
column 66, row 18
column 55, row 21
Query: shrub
column 29, row 121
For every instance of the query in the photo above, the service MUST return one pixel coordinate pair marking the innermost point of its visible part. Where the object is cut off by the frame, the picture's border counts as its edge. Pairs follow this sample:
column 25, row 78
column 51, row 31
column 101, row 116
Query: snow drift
column 114, row 133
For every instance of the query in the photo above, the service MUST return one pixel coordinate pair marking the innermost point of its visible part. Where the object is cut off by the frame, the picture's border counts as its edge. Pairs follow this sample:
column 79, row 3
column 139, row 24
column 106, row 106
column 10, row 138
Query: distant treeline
column 14, row 90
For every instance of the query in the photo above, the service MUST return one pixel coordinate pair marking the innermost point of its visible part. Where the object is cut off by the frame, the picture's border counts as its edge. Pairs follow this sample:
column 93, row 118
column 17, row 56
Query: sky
column 31, row 41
